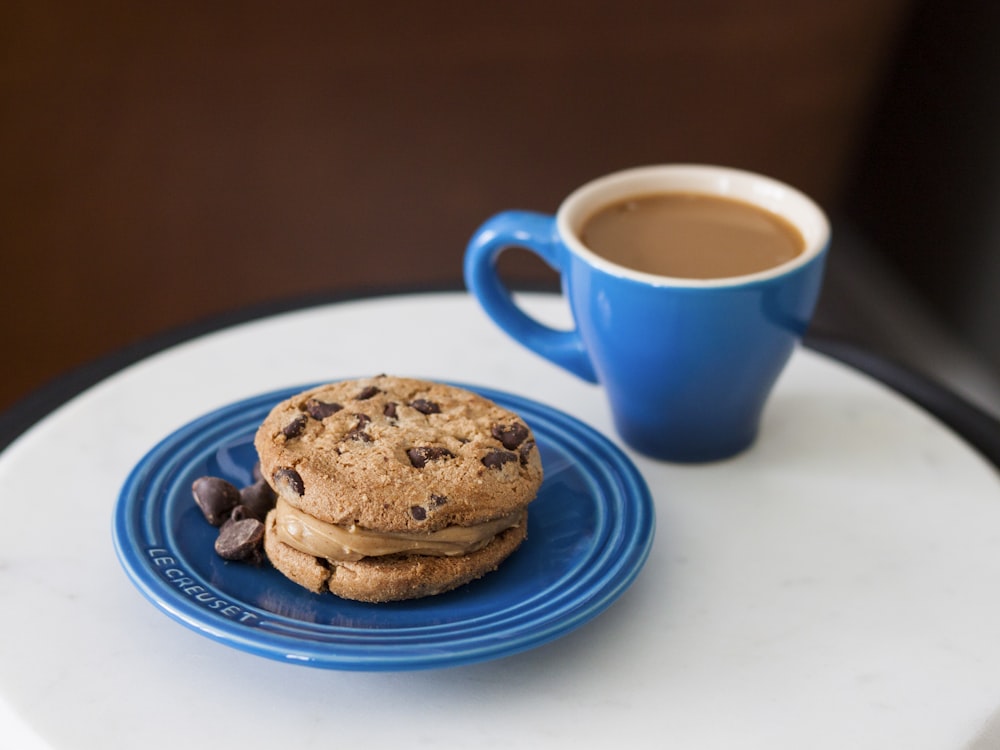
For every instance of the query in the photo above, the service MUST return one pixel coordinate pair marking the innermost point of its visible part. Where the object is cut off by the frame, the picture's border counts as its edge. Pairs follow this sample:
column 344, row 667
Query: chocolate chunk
column 320, row 410
column 292, row 479
column 496, row 458
column 239, row 513
column 358, row 431
column 367, row 393
column 525, row 451
column 510, row 436
column 258, row 498
column 390, row 410
column 216, row 497
column 240, row 540
column 421, row 455
column 294, row 428
column 419, row 512
column 425, row 407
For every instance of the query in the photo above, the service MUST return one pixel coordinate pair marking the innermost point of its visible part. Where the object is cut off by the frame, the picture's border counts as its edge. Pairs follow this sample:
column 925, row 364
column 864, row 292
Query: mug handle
column 537, row 233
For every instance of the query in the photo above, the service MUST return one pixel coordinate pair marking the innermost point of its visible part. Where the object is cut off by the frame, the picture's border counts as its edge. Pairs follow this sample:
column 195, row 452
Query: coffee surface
column 691, row 235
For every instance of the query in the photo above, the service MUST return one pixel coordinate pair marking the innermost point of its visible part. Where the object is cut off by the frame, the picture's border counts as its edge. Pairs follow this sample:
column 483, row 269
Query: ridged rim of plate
column 593, row 505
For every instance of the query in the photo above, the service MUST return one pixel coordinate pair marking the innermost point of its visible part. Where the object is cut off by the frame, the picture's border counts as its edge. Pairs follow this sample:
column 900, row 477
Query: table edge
column 978, row 428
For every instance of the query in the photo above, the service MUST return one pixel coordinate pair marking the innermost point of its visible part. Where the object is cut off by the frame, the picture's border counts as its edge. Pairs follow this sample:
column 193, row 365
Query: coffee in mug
column 686, row 335
column 691, row 236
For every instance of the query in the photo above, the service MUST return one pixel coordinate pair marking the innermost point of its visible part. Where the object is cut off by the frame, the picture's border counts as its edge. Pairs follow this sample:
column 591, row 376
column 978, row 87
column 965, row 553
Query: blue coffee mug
column 687, row 364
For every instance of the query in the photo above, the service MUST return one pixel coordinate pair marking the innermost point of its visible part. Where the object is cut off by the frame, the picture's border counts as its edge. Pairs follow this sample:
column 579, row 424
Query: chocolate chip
column 258, row 498
column 496, row 458
column 510, row 436
column 525, row 451
column 419, row 512
column 425, row 407
column 358, row 431
column 320, row 410
column 239, row 513
column 421, row 455
column 240, row 540
column 294, row 428
column 367, row 393
column 216, row 497
column 292, row 479
column 390, row 410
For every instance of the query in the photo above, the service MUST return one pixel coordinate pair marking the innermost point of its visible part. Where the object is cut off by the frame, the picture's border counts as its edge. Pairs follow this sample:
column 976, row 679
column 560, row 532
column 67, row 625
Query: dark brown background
column 164, row 161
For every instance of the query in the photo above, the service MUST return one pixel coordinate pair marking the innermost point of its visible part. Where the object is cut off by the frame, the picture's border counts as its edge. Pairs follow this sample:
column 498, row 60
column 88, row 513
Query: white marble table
column 834, row 587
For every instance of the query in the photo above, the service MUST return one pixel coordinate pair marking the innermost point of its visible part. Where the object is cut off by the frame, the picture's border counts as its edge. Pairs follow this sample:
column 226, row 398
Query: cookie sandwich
column 393, row 488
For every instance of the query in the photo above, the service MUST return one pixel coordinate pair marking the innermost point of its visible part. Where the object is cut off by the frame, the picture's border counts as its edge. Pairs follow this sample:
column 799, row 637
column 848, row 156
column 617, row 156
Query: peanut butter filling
column 343, row 543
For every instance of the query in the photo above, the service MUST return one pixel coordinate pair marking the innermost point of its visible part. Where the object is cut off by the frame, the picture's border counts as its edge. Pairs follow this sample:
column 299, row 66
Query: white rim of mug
column 759, row 190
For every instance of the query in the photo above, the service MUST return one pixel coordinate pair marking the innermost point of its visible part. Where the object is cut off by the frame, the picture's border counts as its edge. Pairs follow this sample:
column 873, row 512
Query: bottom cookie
column 390, row 578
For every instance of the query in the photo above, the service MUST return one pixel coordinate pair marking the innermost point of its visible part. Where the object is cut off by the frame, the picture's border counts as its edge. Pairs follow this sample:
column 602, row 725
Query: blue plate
column 590, row 531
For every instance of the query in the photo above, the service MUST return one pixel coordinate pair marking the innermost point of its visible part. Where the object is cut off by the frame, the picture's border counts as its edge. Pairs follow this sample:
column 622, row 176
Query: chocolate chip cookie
column 393, row 488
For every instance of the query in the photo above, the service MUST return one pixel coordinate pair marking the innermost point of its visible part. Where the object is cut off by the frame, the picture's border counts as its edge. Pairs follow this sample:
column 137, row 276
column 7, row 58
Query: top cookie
column 398, row 454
